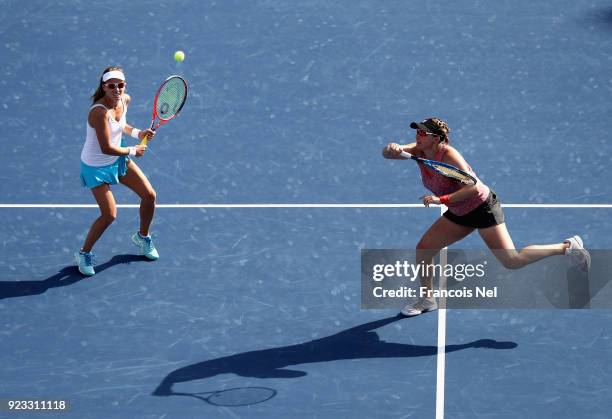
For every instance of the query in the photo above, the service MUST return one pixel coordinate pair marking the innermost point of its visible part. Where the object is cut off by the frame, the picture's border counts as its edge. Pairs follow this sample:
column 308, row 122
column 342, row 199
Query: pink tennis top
column 441, row 185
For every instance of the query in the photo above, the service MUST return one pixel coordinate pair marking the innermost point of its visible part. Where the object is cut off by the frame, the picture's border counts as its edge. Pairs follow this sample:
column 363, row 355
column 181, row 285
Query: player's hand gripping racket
column 169, row 101
column 444, row 169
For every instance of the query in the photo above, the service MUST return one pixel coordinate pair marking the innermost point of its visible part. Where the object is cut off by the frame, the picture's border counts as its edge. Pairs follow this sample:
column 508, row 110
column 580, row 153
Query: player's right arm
column 393, row 150
column 98, row 119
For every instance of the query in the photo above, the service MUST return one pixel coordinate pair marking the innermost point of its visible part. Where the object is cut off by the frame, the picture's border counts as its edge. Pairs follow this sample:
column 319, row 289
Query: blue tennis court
column 270, row 183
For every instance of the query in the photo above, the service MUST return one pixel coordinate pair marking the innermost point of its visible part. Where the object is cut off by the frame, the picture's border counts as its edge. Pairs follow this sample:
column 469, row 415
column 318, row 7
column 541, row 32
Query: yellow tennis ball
column 179, row 56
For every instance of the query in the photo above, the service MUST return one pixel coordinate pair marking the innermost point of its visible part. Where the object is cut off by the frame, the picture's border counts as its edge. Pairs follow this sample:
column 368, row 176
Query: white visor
column 113, row 74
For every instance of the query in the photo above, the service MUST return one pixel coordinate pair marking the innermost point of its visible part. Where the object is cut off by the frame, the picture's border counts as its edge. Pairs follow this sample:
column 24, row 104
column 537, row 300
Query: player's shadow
column 360, row 342
column 601, row 17
column 66, row 276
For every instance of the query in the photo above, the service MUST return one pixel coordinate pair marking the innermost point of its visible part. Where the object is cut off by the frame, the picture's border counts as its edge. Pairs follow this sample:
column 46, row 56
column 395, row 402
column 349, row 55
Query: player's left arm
column 129, row 130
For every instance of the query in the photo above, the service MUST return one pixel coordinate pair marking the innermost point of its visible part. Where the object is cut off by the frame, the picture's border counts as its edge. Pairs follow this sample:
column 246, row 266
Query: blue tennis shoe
column 85, row 263
column 145, row 243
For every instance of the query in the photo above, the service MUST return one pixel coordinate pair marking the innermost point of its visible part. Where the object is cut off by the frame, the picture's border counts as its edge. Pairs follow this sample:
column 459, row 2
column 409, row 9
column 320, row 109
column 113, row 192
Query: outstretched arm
column 392, row 150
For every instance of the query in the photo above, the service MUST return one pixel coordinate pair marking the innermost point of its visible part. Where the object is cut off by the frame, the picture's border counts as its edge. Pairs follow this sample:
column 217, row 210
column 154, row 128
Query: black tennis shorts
column 488, row 214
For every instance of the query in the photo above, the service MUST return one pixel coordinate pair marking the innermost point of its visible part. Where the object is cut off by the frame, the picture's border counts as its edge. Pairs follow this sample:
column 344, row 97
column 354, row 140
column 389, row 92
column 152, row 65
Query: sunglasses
column 423, row 132
column 115, row 85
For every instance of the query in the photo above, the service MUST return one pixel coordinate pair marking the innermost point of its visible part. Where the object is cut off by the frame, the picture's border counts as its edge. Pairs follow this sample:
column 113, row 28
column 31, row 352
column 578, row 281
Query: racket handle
column 145, row 139
column 406, row 155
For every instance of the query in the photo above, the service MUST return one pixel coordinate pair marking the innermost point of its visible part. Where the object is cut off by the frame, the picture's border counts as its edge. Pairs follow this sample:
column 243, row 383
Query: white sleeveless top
column 92, row 155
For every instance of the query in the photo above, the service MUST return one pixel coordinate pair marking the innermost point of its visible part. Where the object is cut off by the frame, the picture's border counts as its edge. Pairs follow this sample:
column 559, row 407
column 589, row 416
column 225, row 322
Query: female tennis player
column 469, row 208
column 105, row 162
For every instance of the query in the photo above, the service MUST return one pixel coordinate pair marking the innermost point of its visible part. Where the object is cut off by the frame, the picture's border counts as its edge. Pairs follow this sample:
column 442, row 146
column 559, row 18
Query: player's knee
column 109, row 217
column 150, row 196
column 425, row 251
column 512, row 263
column 423, row 246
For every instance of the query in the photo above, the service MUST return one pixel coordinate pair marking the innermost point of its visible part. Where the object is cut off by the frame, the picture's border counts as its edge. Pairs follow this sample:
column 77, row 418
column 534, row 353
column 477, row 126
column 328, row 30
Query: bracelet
column 132, row 152
column 134, row 133
column 445, row 199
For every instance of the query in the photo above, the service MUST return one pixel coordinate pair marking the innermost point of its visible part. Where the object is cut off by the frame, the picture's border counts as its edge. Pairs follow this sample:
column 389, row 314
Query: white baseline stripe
column 219, row 205
column 280, row 205
column 556, row 205
column 441, row 356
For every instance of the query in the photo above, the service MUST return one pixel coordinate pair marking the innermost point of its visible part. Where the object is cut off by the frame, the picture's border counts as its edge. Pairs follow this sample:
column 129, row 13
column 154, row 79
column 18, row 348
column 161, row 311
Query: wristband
column 132, row 152
column 134, row 133
column 445, row 199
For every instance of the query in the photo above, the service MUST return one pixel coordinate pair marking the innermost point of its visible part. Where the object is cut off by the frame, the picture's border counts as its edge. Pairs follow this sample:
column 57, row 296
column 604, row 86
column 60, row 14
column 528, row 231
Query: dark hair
column 99, row 93
column 438, row 127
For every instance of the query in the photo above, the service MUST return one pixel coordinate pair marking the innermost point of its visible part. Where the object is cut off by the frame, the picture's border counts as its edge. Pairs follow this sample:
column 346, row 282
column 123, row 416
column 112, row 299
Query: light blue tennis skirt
column 92, row 176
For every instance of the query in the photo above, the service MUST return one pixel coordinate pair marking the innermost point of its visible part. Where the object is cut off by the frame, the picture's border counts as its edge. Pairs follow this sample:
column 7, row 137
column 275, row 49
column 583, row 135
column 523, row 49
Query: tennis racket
column 444, row 169
column 169, row 101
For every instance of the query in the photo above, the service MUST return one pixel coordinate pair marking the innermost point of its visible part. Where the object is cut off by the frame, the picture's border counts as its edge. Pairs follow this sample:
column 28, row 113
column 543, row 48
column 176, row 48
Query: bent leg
column 442, row 233
column 497, row 238
column 108, row 213
column 136, row 180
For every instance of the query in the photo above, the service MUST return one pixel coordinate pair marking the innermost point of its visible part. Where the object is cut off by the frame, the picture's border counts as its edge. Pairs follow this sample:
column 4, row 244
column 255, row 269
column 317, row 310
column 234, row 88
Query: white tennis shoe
column 578, row 253
column 420, row 306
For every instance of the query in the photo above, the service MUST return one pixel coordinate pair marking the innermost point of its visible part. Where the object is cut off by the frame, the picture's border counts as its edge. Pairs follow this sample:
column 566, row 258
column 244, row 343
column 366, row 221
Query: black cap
column 432, row 125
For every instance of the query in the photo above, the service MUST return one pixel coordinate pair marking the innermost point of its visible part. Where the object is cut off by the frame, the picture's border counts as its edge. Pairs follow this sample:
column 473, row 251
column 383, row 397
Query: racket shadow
column 360, row 342
column 66, row 276
column 239, row 396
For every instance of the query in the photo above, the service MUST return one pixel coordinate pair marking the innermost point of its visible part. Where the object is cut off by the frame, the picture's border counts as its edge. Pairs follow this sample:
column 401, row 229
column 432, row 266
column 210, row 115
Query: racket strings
column 171, row 98
column 455, row 174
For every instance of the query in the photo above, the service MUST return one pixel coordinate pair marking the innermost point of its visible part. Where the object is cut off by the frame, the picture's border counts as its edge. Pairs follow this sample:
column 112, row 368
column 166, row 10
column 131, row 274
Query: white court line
column 441, row 356
column 280, row 205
